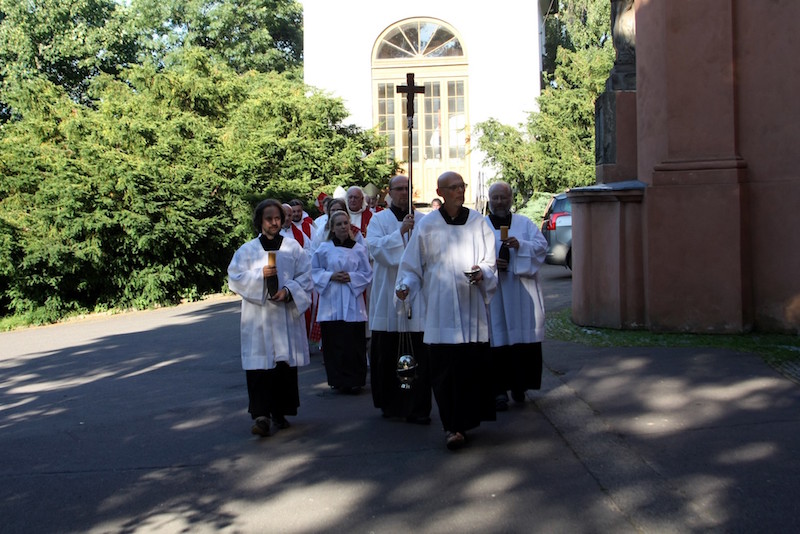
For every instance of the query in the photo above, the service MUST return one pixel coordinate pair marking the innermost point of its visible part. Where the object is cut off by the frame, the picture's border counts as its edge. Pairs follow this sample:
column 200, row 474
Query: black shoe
column 280, row 422
column 261, row 427
column 518, row 396
column 501, row 403
column 425, row 420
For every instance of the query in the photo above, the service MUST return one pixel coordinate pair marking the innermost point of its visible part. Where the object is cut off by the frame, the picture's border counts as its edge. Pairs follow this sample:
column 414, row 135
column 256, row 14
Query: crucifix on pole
column 410, row 90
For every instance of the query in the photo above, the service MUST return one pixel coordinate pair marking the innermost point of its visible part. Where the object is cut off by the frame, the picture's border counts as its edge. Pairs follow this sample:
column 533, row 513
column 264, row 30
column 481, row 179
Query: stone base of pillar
column 697, row 237
column 607, row 255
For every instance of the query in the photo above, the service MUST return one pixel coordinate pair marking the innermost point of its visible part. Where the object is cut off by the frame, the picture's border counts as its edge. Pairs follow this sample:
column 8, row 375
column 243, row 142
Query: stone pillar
column 615, row 109
column 607, row 281
column 607, row 219
column 697, row 274
column 615, row 136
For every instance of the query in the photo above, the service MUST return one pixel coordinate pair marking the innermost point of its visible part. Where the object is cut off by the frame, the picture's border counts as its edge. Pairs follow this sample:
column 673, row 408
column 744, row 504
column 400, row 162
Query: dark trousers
column 461, row 376
column 517, row 368
column 344, row 349
column 273, row 391
column 387, row 394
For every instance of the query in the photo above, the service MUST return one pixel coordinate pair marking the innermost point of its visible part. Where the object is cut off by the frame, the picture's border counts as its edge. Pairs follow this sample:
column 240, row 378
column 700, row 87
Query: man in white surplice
column 451, row 260
column 387, row 235
column 517, row 309
column 273, row 334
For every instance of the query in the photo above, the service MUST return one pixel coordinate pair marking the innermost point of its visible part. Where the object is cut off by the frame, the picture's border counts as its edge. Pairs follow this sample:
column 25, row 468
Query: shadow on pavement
column 139, row 423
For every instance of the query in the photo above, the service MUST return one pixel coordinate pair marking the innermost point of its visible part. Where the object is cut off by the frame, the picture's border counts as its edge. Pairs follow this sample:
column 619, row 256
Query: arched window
column 418, row 39
column 434, row 52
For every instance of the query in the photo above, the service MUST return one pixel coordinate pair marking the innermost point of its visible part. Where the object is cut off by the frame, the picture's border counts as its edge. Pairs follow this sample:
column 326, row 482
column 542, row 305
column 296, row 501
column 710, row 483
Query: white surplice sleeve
column 532, row 247
column 488, row 261
column 410, row 272
column 245, row 273
column 385, row 241
column 320, row 272
column 361, row 277
column 295, row 275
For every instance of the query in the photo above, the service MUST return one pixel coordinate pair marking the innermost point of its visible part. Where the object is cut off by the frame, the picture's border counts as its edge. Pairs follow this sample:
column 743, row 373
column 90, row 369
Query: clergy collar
column 497, row 222
column 347, row 243
column 356, row 212
column 459, row 220
column 400, row 214
column 270, row 244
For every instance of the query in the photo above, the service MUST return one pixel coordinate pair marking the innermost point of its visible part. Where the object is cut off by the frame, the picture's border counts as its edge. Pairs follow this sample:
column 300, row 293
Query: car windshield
column 558, row 204
column 562, row 204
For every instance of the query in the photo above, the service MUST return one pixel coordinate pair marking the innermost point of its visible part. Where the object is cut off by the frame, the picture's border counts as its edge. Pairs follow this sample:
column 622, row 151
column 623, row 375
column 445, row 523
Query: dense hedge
column 141, row 197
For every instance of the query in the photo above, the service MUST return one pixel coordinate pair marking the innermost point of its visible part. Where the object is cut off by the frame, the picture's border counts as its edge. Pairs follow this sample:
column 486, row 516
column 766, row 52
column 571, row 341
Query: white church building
column 475, row 61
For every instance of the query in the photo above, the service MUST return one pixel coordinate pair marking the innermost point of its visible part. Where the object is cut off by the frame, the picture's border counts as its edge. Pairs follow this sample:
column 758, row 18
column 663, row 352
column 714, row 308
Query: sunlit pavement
column 138, row 423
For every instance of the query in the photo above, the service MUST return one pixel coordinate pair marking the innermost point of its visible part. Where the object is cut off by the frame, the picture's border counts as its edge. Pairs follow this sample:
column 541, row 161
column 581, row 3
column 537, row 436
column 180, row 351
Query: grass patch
column 776, row 349
column 13, row 322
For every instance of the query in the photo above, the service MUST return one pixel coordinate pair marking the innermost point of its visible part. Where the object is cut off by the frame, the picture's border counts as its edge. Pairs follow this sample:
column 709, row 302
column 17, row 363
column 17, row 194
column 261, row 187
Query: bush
column 142, row 199
column 534, row 208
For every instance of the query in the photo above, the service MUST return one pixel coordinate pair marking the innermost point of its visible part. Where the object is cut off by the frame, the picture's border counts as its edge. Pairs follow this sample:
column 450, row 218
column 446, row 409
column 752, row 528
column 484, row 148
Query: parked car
column 557, row 229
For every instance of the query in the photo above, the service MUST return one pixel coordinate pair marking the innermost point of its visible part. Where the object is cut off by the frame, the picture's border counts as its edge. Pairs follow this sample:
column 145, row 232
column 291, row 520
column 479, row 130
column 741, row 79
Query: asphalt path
column 137, row 423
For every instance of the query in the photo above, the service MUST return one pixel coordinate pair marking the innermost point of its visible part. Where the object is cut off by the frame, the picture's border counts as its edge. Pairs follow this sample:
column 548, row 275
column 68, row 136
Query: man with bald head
column 358, row 209
column 450, row 260
column 387, row 235
column 517, row 309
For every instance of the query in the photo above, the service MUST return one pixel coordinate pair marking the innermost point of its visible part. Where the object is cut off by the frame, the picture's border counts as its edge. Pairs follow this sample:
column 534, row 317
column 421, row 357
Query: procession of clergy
column 449, row 303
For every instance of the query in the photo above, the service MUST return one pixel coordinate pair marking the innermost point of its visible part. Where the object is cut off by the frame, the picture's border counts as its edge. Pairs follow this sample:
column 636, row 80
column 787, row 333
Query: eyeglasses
column 455, row 187
column 400, row 188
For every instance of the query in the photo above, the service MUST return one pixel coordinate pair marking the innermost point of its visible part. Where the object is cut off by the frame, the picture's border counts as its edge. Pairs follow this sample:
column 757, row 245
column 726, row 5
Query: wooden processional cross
column 410, row 90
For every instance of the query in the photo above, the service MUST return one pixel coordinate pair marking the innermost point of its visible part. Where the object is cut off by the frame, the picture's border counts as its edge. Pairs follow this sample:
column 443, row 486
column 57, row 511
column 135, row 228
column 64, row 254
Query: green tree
column 262, row 35
column 288, row 140
column 142, row 198
column 131, row 184
column 554, row 150
column 68, row 42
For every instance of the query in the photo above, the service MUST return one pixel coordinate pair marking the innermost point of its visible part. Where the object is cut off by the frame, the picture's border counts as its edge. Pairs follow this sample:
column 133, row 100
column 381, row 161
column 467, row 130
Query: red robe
column 308, row 226
column 366, row 215
column 298, row 235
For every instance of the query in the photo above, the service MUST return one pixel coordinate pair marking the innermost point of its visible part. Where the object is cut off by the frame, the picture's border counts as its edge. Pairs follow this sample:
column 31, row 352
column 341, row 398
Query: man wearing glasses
column 358, row 209
column 387, row 235
column 450, row 260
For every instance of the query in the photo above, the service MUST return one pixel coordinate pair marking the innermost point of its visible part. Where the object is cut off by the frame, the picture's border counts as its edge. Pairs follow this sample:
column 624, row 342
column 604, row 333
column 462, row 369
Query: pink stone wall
column 768, row 128
column 718, row 124
column 717, row 85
